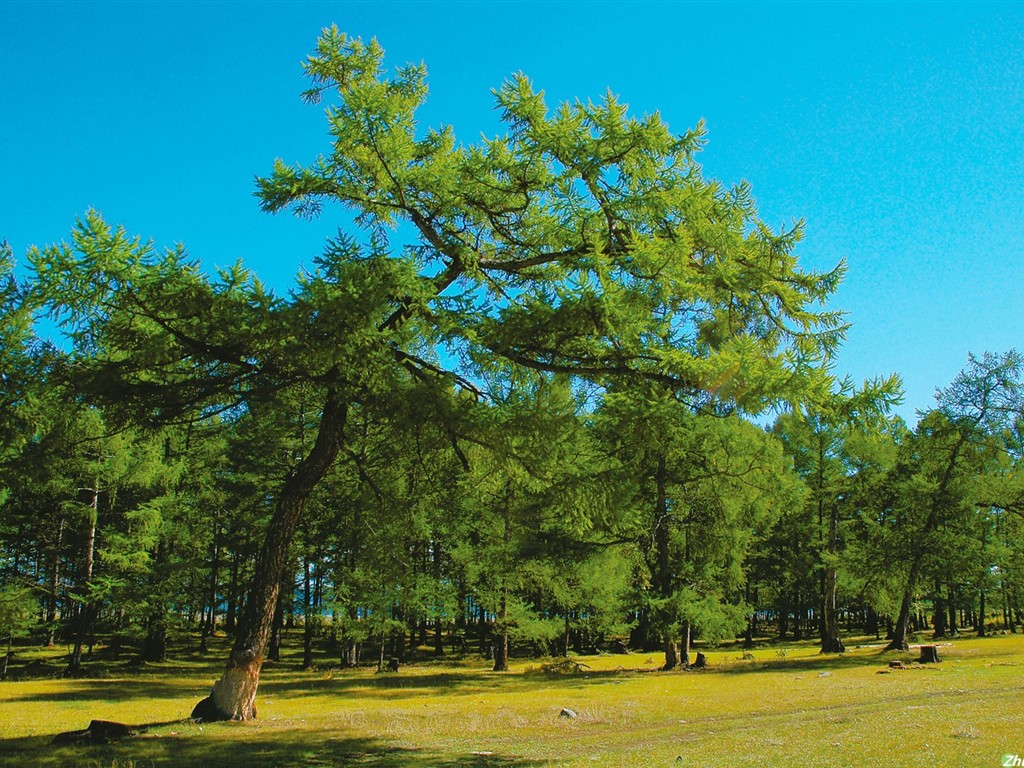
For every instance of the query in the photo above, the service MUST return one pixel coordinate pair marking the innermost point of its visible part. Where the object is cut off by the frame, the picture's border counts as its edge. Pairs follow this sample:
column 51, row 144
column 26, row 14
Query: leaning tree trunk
column 899, row 640
column 234, row 696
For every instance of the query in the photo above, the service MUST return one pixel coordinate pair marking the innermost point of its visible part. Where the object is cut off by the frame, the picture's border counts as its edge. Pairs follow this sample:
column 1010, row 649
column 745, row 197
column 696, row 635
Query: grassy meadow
column 782, row 705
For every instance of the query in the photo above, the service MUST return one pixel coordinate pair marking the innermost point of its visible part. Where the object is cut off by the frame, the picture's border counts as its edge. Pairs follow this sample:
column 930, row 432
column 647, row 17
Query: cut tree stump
column 929, row 654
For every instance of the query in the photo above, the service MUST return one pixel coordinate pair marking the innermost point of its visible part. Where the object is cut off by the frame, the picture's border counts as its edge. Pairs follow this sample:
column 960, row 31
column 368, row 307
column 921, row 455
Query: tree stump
column 392, row 664
column 700, row 662
column 929, row 654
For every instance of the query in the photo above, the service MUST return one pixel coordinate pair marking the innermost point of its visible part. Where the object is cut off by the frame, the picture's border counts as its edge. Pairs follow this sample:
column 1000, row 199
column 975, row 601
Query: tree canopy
column 510, row 403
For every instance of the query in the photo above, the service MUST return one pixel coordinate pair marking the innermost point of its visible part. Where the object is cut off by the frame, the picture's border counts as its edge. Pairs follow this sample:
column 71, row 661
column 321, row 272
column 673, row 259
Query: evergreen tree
column 582, row 242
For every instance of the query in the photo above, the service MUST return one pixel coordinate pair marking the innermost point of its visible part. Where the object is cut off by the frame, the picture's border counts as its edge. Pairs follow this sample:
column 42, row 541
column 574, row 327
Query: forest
column 545, row 394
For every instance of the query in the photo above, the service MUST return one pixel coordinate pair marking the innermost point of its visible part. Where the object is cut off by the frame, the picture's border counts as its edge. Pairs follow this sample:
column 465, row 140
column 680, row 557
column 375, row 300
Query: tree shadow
column 119, row 690
column 230, row 745
column 418, row 683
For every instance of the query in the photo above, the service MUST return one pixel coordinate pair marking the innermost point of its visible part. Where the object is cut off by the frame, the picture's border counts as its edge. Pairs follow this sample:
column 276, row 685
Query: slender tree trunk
column 307, row 617
column 981, row 613
column 663, row 574
column 501, row 637
column 210, row 618
column 871, row 623
column 231, row 615
column 234, row 696
column 951, row 605
column 51, row 602
column 86, row 609
column 939, row 618
column 438, row 624
column 831, row 642
column 276, row 628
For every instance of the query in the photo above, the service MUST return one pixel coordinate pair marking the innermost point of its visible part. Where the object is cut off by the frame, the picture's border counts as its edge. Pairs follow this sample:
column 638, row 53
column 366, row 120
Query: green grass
column 775, row 709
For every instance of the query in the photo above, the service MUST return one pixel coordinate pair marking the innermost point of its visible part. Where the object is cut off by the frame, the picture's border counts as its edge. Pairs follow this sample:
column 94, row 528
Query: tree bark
column 233, row 697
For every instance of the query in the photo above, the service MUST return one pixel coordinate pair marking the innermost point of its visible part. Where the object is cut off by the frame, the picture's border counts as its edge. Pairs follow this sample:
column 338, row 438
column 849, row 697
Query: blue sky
column 895, row 130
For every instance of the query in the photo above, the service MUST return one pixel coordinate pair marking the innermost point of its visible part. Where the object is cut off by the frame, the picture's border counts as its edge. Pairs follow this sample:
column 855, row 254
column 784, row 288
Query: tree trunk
column 308, row 623
column 951, row 605
column 663, row 574
column 210, row 618
column 438, row 624
column 673, row 656
column 154, row 646
column 939, row 617
column 501, row 638
column 233, row 697
column 86, row 609
column 981, row 613
column 276, row 628
column 51, row 601
column 831, row 642
column 900, row 630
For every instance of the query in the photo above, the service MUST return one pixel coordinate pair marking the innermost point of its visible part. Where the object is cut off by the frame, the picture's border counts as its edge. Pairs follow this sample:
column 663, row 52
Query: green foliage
column 19, row 610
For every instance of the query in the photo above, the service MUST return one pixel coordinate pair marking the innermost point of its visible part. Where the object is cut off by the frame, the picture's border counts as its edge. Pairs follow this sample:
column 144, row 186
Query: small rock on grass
column 568, row 713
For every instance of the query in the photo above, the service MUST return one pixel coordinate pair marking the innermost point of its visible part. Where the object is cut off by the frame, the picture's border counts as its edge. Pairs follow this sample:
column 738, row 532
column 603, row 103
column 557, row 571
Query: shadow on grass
column 414, row 683
column 232, row 745
column 120, row 690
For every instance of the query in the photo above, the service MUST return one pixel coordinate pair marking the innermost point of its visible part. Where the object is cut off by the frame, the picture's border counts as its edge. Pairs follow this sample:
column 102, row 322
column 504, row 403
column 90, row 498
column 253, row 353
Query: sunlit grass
column 778, row 706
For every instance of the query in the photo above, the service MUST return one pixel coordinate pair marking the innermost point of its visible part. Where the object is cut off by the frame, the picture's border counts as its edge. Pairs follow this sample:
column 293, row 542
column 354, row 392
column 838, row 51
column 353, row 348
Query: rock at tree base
column 929, row 654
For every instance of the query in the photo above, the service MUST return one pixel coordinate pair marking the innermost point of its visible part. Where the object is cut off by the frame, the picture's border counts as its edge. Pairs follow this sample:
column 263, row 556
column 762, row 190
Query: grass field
column 786, row 706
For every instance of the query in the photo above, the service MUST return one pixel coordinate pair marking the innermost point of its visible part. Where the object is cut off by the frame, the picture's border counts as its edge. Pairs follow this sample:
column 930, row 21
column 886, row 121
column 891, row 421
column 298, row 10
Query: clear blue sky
column 895, row 130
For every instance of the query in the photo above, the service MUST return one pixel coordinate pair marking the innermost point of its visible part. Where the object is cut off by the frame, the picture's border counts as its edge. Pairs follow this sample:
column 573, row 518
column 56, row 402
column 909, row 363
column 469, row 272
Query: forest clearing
column 779, row 705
